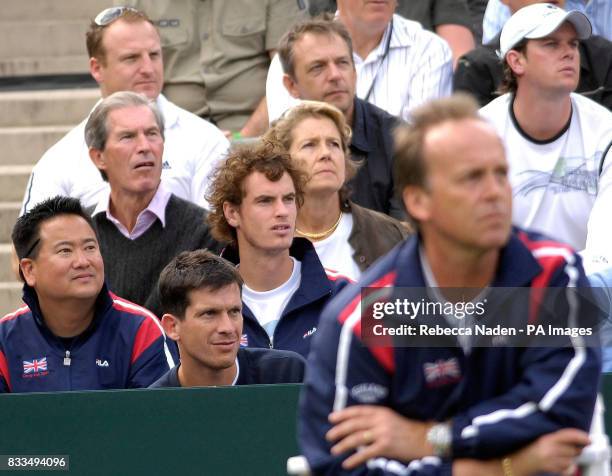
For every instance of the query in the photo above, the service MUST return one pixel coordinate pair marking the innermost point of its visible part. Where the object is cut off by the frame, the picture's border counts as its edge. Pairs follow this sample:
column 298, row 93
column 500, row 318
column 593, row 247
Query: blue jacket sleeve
column 151, row 357
column 557, row 389
column 5, row 376
column 323, row 391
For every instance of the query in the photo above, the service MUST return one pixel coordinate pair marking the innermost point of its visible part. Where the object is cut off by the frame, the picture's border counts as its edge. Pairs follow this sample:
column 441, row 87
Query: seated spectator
column 140, row 224
column 374, row 409
column 556, row 140
column 254, row 197
column 318, row 58
column 200, row 294
column 73, row 334
column 598, row 11
column 348, row 238
column 217, row 54
column 125, row 55
column 480, row 72
column 399, row 64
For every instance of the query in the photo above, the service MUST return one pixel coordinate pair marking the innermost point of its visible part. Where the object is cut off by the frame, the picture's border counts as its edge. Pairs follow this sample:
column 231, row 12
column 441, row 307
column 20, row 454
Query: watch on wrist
column 440, row 437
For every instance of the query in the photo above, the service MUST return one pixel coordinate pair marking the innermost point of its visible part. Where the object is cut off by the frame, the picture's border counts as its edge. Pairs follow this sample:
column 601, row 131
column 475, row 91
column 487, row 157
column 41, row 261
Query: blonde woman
column 348, row 238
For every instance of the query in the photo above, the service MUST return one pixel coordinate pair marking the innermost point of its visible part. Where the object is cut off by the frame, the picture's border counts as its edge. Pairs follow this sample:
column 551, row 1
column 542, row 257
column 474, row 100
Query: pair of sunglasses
column 109, row 15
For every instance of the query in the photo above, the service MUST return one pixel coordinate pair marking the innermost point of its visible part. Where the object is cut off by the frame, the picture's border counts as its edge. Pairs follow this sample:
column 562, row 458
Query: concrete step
column 45, row 108
column 10, row 297
column 41, row 38
column 13, row 10
column 13, row 181
column 9, row 211
column 25, row 145
column 6, row 269
column 43, row 65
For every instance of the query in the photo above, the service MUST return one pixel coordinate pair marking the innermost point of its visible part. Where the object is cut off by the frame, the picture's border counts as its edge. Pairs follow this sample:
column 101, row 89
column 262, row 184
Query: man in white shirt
column 254, row 197
column 141, row 225
column 125, row 54
column 556, row 140
column 399, row 64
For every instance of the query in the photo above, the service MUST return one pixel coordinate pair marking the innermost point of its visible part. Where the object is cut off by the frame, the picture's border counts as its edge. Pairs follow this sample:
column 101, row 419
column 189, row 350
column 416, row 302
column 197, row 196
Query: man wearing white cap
column 556, row 140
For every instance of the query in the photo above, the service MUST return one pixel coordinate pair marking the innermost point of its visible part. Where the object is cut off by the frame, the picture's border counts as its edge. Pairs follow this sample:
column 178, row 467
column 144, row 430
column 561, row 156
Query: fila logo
column 309, row 333
column 102, row 363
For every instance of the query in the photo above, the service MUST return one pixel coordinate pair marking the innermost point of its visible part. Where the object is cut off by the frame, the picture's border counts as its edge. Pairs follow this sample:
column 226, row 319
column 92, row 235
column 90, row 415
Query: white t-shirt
column 336, row 253
column 555, row 184
column 268, row 306
column 417, row 68
column 192, row 148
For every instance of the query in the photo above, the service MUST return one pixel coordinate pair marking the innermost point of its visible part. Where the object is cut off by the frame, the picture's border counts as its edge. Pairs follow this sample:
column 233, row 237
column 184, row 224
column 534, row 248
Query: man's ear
column 97, row 157
column 232, row 214
column 95, row 69
column 516, row 62
column 291, row 86
column 417, row 202
column 28, row 270
column 172, row 326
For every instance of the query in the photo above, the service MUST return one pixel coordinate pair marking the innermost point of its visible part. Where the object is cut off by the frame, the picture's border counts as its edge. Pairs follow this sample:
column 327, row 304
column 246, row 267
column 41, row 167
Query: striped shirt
column 600, row 14
column 598, row 11
column 417, row 68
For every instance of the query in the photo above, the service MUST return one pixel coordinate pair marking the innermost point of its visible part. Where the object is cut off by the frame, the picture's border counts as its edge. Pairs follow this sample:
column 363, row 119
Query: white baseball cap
column 540, row 20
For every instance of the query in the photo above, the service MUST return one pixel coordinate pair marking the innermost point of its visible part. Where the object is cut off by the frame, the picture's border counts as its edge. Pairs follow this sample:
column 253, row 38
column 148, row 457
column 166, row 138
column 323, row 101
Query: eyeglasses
column 111, row 14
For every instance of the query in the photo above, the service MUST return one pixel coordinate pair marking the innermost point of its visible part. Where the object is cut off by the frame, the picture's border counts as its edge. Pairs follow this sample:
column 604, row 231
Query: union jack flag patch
column 35, row 368
column 244, row 340
column 442, row 372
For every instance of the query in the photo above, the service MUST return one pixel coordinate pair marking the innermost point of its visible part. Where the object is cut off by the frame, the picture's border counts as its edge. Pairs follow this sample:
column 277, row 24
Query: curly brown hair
column 226, row 181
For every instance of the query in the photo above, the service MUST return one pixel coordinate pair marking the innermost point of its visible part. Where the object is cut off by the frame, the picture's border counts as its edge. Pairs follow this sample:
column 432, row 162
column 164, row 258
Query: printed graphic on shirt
column 569, row 174
column 35, row 367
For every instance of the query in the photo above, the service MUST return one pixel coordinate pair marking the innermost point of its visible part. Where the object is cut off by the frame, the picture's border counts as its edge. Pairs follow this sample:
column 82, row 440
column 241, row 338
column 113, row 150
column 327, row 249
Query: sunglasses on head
column 109, row 15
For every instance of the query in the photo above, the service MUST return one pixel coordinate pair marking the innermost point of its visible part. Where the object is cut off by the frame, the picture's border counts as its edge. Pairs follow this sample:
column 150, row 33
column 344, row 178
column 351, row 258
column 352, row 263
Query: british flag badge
column 244, row 340
column 442, row 372
column 35, row 367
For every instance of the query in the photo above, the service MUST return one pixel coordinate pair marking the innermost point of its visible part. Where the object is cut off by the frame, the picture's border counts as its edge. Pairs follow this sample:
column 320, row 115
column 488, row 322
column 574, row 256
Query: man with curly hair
column 254, row 198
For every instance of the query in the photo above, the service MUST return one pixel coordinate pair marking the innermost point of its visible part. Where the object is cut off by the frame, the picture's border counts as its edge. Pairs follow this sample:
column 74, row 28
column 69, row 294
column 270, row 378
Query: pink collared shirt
column 156, row 209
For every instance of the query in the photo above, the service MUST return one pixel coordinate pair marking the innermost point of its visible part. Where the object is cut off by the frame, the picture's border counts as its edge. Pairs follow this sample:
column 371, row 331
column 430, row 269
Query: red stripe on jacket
column 4, row 370
column 384, row 355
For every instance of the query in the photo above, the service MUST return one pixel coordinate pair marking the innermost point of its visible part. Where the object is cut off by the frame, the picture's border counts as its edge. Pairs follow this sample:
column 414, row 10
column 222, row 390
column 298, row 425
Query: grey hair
column 96, row 129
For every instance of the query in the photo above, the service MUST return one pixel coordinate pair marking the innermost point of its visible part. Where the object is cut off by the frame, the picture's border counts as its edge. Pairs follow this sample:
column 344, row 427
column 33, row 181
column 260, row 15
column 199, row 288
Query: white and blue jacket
column 498, row 399
column 124, row 347
column 300, row 318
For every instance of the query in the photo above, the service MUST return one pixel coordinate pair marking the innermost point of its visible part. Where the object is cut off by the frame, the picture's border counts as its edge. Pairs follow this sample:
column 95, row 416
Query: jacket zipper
column 67, row 359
